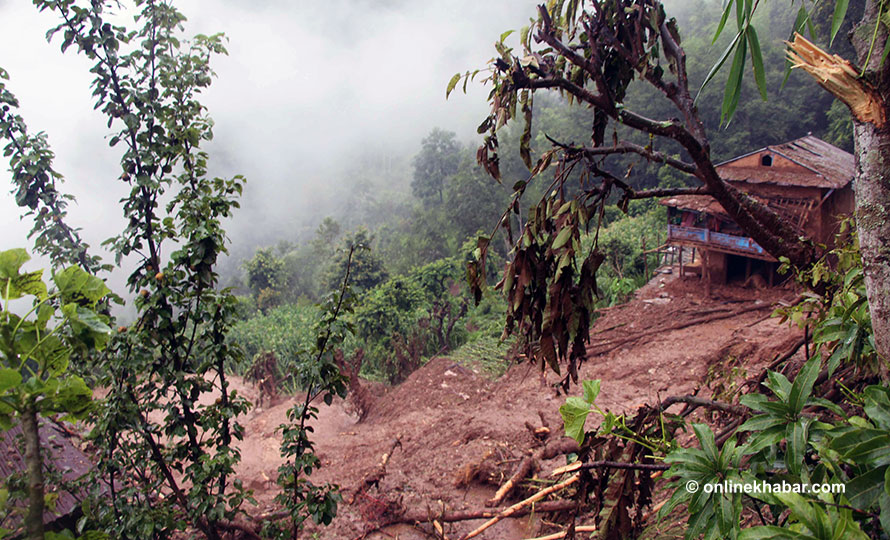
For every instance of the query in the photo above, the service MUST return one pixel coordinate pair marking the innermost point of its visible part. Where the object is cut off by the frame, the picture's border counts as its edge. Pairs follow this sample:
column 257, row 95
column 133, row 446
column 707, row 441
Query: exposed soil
column 461, row 433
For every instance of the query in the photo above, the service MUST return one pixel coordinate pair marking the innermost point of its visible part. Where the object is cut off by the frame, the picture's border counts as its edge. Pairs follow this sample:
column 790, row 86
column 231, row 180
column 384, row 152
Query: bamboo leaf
column 723, row 19
column 757, row 61
column 734, row 83
column 840, row 12
column 719, row 64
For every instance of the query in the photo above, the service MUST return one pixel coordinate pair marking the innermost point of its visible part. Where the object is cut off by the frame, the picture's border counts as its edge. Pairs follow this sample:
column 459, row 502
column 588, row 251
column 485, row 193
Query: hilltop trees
column 438, row 159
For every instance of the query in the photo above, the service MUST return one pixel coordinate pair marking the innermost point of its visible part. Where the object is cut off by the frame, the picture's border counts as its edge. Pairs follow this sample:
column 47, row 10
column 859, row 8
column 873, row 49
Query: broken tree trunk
column 865, row 91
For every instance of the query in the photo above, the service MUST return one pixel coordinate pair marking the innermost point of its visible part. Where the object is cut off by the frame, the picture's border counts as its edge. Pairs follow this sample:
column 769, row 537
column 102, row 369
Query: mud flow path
column 460, row 434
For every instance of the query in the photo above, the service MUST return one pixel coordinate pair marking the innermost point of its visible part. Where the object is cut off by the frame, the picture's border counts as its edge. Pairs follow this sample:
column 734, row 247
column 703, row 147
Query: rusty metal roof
column 57, row 449
column 827, row 166
column 696, row 203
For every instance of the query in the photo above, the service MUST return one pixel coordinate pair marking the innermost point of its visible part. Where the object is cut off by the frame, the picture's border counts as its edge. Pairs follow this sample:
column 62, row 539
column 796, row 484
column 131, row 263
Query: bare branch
column 625, row 147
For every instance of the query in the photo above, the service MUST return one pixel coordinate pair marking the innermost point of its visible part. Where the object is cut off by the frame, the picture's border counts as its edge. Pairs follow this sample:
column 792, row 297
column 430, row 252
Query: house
column 807, row 181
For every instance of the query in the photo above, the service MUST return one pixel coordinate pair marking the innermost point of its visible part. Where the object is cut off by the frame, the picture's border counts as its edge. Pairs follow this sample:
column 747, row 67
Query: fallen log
column 416, row 518
column 513, row 510
column 530, row 464
column 562, row 534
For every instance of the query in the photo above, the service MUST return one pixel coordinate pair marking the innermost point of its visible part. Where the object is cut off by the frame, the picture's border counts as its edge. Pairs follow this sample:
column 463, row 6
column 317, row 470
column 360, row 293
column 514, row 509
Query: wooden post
column 645, row 260
column 681, row 261
column 747, row 268
column 706, row 270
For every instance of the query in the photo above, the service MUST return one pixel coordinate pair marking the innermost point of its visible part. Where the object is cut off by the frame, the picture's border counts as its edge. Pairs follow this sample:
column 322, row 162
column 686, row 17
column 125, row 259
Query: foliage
column 34, row 180
column 367, row 269
column 317, row 375
column 793, row 437
column 845, row 332
column 418, row 308
column 147, row 82
column 265, row 277
column 284, row 330
column 35, row 349
column 438, row 159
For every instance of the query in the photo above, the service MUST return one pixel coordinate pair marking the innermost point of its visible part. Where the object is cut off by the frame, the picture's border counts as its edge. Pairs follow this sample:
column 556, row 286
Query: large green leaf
column 840, row 12
column 863, row 491
column 877, row 405
column 11, row 261
column 9, row 378
column 76, row 285
column 757, row 61
column 574, row 414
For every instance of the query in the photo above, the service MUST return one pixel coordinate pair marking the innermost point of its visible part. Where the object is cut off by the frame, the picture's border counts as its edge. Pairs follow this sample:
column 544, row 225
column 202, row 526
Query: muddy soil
column 450, row 419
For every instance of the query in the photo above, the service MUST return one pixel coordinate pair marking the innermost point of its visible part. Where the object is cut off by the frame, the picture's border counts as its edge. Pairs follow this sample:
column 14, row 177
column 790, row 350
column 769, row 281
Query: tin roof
column 57, row 449
column 696, row 203
column 823, row 165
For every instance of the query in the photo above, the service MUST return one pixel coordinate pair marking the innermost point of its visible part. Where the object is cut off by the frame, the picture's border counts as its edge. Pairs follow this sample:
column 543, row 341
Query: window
column 766, row 160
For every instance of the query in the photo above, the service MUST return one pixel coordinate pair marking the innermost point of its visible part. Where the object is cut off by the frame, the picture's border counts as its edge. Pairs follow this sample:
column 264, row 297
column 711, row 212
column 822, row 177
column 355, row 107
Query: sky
column 307, row 88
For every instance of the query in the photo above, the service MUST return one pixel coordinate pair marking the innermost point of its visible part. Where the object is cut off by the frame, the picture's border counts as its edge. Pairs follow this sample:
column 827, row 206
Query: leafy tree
column 367, row 269
column 265, row 277
column 326, row 235
column 34, row 355
column 438, row 159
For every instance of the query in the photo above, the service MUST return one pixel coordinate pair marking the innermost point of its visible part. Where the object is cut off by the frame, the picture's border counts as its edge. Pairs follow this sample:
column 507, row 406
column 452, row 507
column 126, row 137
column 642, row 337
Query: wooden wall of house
column 756, row 160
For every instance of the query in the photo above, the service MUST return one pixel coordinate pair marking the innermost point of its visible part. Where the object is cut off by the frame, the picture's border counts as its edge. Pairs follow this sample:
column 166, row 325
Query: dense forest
column 400, row 267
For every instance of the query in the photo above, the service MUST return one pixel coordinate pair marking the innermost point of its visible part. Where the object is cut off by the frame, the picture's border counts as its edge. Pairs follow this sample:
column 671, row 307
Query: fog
column 308, row 90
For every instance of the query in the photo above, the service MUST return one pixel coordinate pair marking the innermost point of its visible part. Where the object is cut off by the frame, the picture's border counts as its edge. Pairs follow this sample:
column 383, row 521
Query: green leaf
column 716, row 67
column 723, row 19
column 734, row 83
column 706, row 437
column 761, row 422
column 877, row 405
column 840, row 12
column 884, row 505
column 797, row 435
column 91, row 320
column 803, row 384
column 11, row 260
column 767, row 532
column 451, row 84
column 863, row 491
column 574, row 414
column 757, row 61
column 76, row 285
column 9, row 378
column 591, row 390
column 563, row 238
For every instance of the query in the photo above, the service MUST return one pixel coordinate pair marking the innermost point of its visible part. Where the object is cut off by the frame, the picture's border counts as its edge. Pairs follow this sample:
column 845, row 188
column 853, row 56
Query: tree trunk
column 873, row 225
column 872, row 181
column 34, row 462
column 867, row 97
